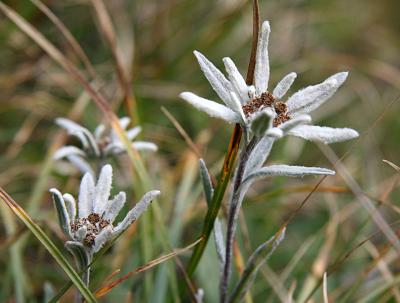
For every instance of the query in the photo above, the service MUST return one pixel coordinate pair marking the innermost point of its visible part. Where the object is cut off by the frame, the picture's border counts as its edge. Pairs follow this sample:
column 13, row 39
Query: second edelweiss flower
column 244, row 103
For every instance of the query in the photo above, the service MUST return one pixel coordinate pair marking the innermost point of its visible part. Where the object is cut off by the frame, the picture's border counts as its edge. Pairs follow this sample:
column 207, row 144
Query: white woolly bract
column 309, row 98
column 135, row 212
column 211, row 108
column 294, row 122
column 104, row 236
column 323, row 134
column 114, row 206
column 133, row 132
column 67, row 151
column 238, row 83
column 217, row 80
column 145, row 146
column 70, row 205
column 103, row 189
column 284, row 85
column 85, row 199
column 261, row 71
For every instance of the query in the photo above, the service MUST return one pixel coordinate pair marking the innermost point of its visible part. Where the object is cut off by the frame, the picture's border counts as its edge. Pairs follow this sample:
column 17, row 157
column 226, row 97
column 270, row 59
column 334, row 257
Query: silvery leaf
column 103, row 189
column 259, row 155
column 145, row 146
column 323, row 134
column 67, row 151
column 238, row 83
column 62, row 212
column 81, row 164
column 261, row 72
column 217, row 80
column 256, row 260
column 286, row 170
column 211, row 108
column 135, row 212
column 86, row 195
column 206, row 180
column 283, row 86
column 114, row 206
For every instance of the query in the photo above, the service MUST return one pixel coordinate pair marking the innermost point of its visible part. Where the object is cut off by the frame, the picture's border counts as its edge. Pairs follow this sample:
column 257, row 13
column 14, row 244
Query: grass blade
column 48, row 244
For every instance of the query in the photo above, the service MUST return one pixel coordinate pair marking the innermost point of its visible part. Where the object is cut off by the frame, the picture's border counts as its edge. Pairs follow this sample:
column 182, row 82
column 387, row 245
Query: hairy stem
column 234, row 208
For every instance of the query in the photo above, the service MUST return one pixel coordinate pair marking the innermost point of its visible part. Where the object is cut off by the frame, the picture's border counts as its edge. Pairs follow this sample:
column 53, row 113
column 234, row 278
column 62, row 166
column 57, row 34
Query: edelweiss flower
column 100, row 144
column 244, row 103
column 91, row 225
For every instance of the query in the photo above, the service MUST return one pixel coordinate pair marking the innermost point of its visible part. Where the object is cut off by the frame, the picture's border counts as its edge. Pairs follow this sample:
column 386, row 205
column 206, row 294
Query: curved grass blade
column 48, row 244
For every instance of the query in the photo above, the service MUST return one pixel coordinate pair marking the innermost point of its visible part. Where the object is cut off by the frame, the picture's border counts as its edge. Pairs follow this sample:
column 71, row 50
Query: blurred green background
column 155, row 40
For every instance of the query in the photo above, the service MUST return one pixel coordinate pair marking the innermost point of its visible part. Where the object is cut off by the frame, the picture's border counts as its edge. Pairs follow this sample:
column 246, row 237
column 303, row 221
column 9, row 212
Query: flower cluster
column 89, row 224
column 244, row 103
column 100, row 144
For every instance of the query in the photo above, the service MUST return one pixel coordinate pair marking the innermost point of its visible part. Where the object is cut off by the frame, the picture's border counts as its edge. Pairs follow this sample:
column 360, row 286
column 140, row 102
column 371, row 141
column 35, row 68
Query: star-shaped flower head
column 89, row 225
column 244, row 103
column 100, row 144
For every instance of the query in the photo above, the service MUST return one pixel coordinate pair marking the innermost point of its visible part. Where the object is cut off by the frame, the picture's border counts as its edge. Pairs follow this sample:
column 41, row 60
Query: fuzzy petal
column 283, row 86
column 261, row 72
column 238, row 83
column 287, row 171
column 86, row 193
column 103, row 189
column 68, row 150
column 217, row 80
column 211, row 108
column 114, row 206
column 135, row 212
column 323, row 134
